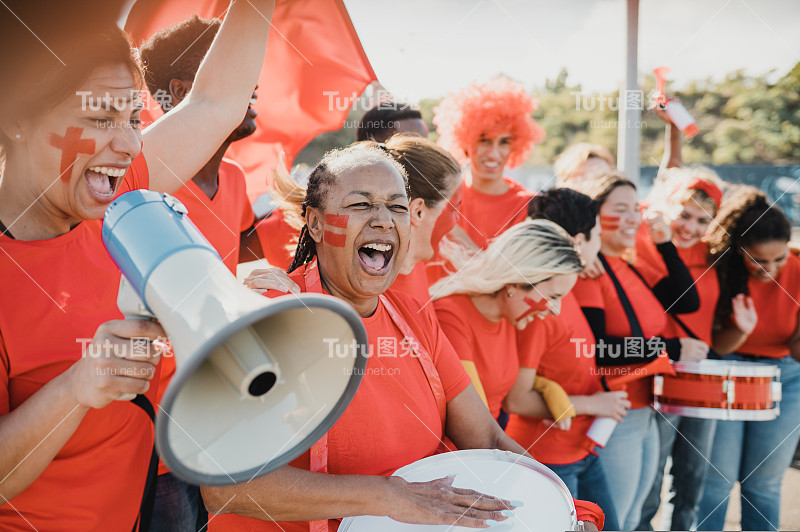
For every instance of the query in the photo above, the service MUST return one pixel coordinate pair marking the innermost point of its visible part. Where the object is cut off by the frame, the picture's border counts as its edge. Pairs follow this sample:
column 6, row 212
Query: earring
column 509, row 293
column 18, row 136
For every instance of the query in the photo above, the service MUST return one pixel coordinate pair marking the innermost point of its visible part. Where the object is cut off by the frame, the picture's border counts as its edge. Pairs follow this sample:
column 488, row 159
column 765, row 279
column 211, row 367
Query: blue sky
column 426, row 48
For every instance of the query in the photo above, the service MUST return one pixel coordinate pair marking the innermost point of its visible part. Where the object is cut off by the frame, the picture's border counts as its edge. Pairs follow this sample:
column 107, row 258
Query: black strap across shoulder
column 142, row 523
column 633, row 321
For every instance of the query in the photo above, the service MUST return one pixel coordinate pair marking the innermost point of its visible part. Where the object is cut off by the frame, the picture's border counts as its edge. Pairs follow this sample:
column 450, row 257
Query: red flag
column 313, row 70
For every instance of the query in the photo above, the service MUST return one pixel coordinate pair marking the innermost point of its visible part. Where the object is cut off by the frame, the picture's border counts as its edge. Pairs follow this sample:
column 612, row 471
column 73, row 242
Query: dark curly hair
column 745, row 218
column 176, row 52
column 334, row 164
column 572, row 210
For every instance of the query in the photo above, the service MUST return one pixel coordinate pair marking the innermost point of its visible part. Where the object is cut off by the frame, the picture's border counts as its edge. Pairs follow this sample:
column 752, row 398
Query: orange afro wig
column 488, row 109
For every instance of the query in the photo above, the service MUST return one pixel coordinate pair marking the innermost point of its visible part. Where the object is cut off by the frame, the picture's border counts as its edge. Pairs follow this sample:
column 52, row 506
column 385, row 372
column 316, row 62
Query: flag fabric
column 314, row 68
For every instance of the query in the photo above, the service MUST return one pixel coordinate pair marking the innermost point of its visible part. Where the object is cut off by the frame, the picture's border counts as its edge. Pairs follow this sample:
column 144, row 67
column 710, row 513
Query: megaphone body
column 257, row 380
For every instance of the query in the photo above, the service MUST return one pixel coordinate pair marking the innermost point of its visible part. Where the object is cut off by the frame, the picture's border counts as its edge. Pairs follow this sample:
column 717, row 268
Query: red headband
column 709, row 188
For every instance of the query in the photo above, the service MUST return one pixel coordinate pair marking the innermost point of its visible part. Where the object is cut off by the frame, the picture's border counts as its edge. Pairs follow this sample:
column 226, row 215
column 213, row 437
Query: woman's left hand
column 271, row 278
column 659, row 229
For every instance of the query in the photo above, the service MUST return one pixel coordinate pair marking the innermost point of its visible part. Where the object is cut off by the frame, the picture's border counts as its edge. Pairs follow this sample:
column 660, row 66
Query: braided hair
column 744, row 219
column 333, row 165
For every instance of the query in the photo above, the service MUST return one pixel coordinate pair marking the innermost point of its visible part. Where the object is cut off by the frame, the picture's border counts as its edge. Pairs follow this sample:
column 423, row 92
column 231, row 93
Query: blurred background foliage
column 743, row 120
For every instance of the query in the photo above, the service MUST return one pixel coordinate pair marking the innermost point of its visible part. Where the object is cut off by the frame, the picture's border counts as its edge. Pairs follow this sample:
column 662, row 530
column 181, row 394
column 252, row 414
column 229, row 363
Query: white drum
column 547, row 507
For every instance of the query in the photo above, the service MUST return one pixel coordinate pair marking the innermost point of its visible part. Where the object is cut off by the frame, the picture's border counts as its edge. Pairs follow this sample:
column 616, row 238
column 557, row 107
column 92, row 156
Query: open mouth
column 375, row 257
column 103, row 180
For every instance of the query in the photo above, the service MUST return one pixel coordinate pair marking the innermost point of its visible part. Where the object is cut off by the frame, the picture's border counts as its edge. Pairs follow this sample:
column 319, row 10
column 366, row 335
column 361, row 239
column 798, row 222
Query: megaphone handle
column 131, row 307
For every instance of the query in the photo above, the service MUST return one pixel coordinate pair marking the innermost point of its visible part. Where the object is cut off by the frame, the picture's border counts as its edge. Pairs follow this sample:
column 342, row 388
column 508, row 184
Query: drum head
column 547, row 507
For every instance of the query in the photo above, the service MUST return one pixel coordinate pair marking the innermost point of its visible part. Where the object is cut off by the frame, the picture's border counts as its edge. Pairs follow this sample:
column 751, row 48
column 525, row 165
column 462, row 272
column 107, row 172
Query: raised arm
column 178, row 144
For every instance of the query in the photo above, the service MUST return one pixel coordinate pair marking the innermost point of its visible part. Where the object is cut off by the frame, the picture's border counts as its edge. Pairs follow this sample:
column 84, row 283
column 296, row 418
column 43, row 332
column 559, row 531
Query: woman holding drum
column 688, row 200
column 629, row 324
column 412, row 394
column 756, row 273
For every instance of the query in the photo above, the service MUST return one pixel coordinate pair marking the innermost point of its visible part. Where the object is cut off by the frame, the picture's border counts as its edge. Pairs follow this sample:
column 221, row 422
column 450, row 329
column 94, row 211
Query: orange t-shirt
column 222, row 218
column 414, row 284
column 275, row 236
column 393, row 420
column 653, row 269
column 485, row 217
column 776, row 305
column 557, row 347
column 600, row 293
column 55, row 294
column 491, row 346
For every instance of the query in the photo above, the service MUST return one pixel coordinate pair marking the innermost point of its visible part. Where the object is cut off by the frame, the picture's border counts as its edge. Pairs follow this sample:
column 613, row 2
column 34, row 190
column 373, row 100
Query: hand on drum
column 611, row 404
column 744, row 313
column 271, row 278
column 693, row 350
column 439, row 503
column 111, row 367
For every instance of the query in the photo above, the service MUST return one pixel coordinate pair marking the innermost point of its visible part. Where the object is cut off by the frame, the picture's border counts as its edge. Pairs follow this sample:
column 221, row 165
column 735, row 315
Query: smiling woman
column 70, row 141
column 520, row 277
column 414, row 391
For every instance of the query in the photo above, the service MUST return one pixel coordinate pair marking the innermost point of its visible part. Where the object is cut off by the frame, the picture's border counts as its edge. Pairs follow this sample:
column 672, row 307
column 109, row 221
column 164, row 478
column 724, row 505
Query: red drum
column 719, row 389
column 548, row 506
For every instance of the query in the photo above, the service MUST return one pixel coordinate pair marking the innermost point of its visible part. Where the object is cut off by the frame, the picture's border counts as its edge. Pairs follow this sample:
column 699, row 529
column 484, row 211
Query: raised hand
column 744, row 314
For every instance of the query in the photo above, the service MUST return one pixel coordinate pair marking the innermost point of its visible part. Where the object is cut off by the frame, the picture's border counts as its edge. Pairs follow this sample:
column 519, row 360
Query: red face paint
column 71, row 144
column 338, row 221
column 447, row 220
column 609, row 223
column 535, row 306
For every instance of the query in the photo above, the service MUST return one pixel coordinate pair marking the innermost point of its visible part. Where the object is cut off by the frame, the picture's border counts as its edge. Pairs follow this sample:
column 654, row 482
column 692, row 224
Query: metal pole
column 631, row 101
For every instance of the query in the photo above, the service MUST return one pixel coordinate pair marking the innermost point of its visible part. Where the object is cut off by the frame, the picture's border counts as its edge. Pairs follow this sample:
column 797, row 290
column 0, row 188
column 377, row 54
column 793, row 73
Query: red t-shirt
column 653, row 269
column 56, row 292
column 491, row 346
column 393, row 420
column 485, row 217
column 600, row 293
column 275, row 236
column 557, row 347
column 222, row 218
column 776, row 305
column 414, row 284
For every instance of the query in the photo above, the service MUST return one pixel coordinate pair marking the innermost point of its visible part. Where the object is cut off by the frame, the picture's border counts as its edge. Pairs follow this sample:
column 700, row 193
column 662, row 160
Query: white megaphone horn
column 257, row 380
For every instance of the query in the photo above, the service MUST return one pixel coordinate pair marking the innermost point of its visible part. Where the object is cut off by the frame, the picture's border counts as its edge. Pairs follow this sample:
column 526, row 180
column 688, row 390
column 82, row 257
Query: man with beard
column 217, row 203
column 215, row 197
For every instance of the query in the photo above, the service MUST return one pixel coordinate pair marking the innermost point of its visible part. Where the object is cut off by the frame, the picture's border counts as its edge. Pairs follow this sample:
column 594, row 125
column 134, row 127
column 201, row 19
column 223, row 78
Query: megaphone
column 257, row 380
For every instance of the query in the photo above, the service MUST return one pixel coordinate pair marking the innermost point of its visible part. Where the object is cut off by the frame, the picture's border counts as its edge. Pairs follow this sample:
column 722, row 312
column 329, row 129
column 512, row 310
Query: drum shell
column 720, row 389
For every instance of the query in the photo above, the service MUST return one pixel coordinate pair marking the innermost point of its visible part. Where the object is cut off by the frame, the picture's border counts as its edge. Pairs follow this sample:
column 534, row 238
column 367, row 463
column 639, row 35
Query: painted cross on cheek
column 609, row 223
column 71, row 144
column 535, row 306
column 338, row 221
